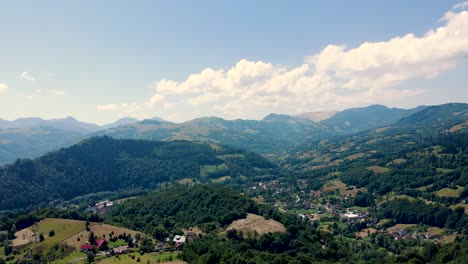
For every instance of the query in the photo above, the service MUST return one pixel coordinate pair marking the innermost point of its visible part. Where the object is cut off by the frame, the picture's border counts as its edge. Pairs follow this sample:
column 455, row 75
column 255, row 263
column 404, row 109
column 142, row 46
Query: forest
column 105, row 164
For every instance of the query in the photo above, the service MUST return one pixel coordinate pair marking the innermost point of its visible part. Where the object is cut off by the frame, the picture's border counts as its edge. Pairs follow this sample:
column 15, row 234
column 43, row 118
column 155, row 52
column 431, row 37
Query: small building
column 160, row 247
column 179, row 241
column 120, row 250
column 101, row 244
column 350, row 215
column 86, row 248
column 191, row 235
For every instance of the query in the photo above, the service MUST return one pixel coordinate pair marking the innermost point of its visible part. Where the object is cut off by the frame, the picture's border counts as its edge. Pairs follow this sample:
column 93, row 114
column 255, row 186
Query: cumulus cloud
column 335, row 78
column 3, row 87
column 26, row 76
column 461, row 5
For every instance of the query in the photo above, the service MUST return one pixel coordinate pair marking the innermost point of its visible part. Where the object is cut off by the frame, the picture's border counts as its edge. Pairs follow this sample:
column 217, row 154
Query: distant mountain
column 33, row 142
column 120, row 122
column 32, row 137
column 449, row 116
column 272, row 134
column 105, row 164
column 364, row 118
column 317, row 116
column 65, row 124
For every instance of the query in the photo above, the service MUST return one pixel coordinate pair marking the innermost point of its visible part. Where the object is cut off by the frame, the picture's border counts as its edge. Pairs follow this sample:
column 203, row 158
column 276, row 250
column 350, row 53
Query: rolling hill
column 106, row 164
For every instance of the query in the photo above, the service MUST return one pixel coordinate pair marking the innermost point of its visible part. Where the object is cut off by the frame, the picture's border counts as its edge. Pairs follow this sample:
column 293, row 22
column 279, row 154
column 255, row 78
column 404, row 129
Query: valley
column 393, row 191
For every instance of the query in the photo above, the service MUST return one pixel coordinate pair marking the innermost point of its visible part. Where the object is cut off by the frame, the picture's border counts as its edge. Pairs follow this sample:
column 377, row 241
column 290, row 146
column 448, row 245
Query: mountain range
column 276, row 133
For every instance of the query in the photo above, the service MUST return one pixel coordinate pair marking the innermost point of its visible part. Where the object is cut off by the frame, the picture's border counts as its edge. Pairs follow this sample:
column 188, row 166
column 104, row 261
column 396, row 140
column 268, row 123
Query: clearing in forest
column 255, row 223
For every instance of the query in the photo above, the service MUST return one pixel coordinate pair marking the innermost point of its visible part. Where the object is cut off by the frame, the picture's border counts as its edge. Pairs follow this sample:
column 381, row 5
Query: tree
column 51, row 233
column 87, row 225
column 7, row 247
column 90, row 257
column 41, row 237
column 146, row 245
column 91, row 238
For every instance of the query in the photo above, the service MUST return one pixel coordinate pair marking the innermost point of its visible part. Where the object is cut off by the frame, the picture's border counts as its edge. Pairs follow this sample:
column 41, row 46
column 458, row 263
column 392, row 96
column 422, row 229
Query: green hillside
column 106, row 164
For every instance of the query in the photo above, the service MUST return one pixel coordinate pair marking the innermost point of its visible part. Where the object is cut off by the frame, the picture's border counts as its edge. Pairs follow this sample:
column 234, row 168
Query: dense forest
column 106, row 164
column 160, row 213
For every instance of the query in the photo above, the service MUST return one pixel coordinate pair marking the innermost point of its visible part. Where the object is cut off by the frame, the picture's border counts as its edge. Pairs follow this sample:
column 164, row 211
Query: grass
column 448, row 239
column 363, row 233
column 221, row 179
column 435, row 231
column 118, row 243
column 399, row 161
column 383, row 222
column 152, row 258
column 186, row 180
column 447, row 192
column 75, row 257
column 424, row 188
column 99, row 230
column 462, row 205
column 64, row 228
column 339, row 185
column 400, row 226
column 378, row 169
column 257, row 223
column 442, row 170
column 355, row 156
column 207, row 169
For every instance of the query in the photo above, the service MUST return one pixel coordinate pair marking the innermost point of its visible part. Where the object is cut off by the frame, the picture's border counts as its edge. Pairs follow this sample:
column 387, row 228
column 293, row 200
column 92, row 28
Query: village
column 334, row 203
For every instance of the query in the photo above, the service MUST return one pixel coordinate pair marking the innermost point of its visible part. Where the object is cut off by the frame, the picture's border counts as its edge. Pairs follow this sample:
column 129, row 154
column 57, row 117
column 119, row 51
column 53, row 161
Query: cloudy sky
column 102, row 60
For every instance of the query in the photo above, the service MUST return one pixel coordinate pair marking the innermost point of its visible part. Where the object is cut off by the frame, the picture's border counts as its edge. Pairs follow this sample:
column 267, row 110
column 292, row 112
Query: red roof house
column 101, row 243
column 86, row 248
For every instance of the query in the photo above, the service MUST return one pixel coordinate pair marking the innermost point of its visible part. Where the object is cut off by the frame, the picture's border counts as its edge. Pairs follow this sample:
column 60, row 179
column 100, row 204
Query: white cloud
column 461, row 5
column 56, row 92
column 26, row 76
column 3, row 87
column 155, row 99
column 107, row 107
column 335, row 78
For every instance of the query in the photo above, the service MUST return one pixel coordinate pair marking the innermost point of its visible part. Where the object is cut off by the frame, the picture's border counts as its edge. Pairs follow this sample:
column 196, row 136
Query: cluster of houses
column 399, row 234
column 100, row 207
column 103, row 245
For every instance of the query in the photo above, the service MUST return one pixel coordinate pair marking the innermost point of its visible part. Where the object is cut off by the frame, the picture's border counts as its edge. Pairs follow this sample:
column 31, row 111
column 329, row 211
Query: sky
column 99, row 61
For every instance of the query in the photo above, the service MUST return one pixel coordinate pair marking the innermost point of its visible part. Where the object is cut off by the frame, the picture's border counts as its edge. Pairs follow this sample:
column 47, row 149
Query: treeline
column 105, row 164
column 416, row 212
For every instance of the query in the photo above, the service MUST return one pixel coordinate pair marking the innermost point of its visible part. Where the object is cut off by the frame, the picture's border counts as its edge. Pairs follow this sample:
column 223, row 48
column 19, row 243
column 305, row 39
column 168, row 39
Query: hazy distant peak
column 317, row 116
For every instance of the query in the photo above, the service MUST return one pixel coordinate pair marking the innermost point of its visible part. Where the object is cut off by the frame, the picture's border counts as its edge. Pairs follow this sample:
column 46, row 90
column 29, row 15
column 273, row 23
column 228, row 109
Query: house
column 191, row 235
column 160, row 247
column 179, row 241
column 101, row 244
column 86, row 248
column 120, row 250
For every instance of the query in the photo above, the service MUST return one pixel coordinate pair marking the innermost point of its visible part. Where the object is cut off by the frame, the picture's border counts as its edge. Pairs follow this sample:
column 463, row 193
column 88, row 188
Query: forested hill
column 205, row 206
column 105, row 164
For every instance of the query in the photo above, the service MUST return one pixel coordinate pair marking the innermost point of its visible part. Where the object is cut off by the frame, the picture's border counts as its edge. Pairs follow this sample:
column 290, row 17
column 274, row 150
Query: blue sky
column 102, row 60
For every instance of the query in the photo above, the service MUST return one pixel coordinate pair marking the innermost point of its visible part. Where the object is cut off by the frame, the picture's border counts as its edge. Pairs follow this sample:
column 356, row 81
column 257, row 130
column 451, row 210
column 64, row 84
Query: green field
column 63, row 229
column 207, row 169
column 152, row 258
column 447, row 192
